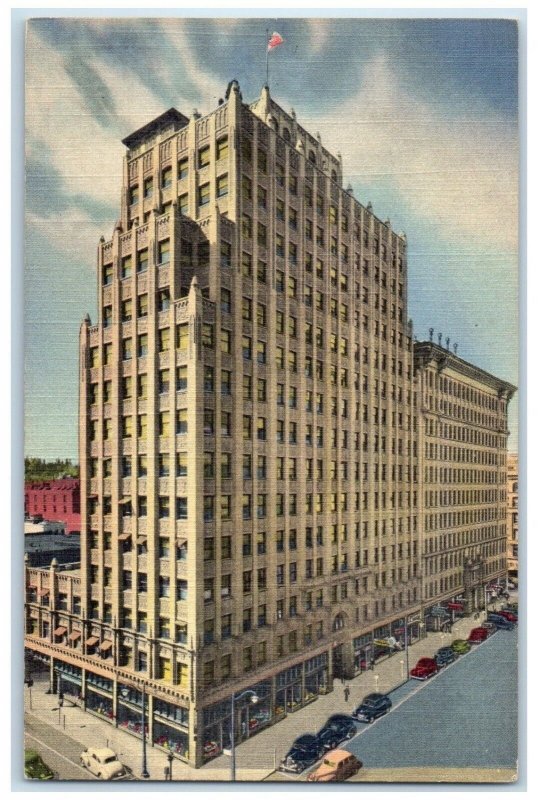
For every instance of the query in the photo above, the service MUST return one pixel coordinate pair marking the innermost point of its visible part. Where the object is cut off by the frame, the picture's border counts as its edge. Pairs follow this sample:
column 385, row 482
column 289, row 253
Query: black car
column 444, row 656
column 373, row 706
column 336, row 729
column 304, row 752
column 500, row 622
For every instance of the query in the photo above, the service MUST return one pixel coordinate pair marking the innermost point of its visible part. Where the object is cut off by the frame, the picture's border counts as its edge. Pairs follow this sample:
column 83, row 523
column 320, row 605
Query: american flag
column 274, row 41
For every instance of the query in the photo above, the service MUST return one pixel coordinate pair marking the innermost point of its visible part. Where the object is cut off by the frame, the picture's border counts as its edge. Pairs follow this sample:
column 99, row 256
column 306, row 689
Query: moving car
column 35, row 768
column 424, row 669
column 501, row 622
column 460, row 646
column 444, row 656
column 336, row 729
column 373, row 706
column 103, row 763
column 478, row 635
column 336, row 766
column 304, row 752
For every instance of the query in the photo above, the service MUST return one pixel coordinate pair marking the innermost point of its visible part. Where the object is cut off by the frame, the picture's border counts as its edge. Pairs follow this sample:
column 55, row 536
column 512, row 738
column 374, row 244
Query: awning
column 181, row 542
column 124, row 500
column 74, row 635
column 91, row 641
column 105, row 646
column 123, row 536
column 141, row 539
column 60, row 630
column 43, row 592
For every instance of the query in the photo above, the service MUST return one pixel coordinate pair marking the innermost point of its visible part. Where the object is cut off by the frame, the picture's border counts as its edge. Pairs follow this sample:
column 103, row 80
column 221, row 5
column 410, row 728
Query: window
column 164, row 251
column 209, row 464
column 222, row 148
column 262, row 235
column 262, row 197
column 203, row 157
column 166, row 178
column 164, row 340
column 183, row 204
column 247, row 347
column 182, row 168
column 222, row 185
column 183, row 336
column 107, row 274
column 181, row 420
column 142, row 305
column 163, row 300
column 181, row 507
column 164, row 423
column 225, row 341
column 142, row 345
column 142, row 261
column 225, row 254
column 261, row 272
column 225, row 382
column 246, row 226
column 126, row 266
column 203, row 194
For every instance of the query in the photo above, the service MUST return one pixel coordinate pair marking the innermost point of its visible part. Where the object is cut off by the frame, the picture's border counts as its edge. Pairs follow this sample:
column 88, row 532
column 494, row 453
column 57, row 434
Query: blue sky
column 424, row 113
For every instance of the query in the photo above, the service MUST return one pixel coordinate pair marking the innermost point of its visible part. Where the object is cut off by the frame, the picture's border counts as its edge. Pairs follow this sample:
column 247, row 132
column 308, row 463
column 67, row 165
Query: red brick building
column 55, row 500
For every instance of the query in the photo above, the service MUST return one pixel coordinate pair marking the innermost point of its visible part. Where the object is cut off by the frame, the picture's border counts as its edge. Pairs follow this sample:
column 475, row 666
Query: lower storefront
column 277, row 697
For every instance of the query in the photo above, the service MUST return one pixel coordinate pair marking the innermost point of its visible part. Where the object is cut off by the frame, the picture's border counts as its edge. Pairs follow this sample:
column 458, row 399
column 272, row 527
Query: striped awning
column 60, row 630
column 91, row 641
column 74, row 635
column 104, row 646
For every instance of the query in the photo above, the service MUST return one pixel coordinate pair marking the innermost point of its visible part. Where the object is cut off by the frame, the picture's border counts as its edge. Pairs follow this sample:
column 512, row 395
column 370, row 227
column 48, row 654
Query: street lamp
column 253, row 699
column 125, row 693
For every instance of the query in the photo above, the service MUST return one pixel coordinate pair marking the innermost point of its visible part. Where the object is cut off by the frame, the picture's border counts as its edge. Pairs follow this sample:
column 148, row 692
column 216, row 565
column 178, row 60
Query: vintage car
column 424, row 669
column 338, row 765
column 103, row 763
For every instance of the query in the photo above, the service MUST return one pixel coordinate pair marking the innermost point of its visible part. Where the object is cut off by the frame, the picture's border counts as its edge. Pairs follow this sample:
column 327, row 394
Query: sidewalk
column 257, row 757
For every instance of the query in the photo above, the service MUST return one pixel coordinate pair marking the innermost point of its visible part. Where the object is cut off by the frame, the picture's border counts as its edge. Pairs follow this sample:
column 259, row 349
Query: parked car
column 489, row 626
column 103, row 763
column 460, row 646
column 35, row 768
column 336, row 729
column 304, row 752
column 478, row 635
column 424, row 669
column 509, row 615
column 373, row 706
column 444, row 656
column 336, row 766
column 501, row 622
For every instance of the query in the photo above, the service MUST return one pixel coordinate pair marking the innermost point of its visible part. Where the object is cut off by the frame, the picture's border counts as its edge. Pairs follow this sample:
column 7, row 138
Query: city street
column 413, row 736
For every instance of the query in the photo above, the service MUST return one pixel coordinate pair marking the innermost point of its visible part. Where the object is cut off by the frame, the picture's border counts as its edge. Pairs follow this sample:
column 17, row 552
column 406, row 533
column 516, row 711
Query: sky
column 424, row 113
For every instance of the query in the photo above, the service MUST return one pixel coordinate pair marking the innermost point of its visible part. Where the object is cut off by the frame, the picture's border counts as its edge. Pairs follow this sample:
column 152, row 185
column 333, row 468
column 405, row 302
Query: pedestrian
column 346, row 693
column 342, row 679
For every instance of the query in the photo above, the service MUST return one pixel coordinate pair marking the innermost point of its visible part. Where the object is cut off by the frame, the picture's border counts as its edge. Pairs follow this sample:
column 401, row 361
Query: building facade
column 512, row 520
column 462, row 434
column 249, row 451
column 57, row 500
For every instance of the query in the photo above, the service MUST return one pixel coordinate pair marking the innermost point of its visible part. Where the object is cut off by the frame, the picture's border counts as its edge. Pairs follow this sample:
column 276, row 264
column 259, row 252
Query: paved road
column 59, row 751
column 464, row 717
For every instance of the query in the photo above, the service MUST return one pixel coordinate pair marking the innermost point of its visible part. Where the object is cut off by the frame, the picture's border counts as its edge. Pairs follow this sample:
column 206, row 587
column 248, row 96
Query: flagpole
column 267, row 57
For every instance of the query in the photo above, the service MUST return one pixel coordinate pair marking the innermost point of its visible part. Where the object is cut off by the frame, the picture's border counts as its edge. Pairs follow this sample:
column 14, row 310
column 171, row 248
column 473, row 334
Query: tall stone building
column 512, row 499
column 250, row 483
column 462, row 433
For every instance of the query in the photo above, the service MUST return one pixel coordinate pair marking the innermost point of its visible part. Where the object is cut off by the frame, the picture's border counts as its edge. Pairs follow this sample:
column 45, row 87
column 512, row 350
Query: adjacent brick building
column 57, row 500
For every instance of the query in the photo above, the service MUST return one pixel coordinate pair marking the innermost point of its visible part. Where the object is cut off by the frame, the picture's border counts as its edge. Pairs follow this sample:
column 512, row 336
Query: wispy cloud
column 460, row 171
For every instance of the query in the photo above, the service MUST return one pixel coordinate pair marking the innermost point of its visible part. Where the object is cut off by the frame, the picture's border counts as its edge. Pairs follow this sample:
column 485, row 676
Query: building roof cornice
column 427, row 352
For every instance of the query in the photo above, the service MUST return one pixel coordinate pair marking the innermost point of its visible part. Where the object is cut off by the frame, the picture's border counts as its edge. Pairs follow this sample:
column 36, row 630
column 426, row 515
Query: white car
column 103, row 763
